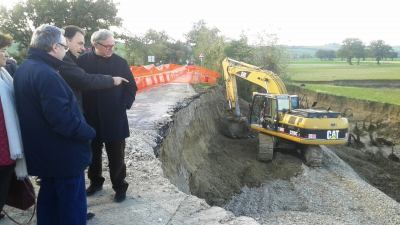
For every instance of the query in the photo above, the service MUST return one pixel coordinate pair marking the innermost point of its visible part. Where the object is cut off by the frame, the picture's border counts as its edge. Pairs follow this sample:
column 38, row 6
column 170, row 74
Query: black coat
column 11, row 67
column 79, row 80
column 54, row 132
column 105, row 110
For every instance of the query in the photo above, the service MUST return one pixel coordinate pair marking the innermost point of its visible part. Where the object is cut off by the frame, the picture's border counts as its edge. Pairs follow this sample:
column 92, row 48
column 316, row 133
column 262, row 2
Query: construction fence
column 150, row 75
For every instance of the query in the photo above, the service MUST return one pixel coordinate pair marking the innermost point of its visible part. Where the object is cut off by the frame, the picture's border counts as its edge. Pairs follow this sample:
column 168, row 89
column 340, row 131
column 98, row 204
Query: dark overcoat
column 105, row 110
column 54, row 132
column 79, row 80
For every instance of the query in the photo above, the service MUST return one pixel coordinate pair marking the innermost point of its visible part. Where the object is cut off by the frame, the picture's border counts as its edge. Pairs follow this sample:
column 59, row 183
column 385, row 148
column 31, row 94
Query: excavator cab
column 263, row 110
column 267, row 108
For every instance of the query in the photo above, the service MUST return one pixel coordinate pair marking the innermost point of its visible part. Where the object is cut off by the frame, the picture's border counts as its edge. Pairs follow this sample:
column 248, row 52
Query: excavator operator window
column 283, row 103
column 256, row 108
column 263, row 111
column 294, row 101
column 267, row 107
column 268, row 113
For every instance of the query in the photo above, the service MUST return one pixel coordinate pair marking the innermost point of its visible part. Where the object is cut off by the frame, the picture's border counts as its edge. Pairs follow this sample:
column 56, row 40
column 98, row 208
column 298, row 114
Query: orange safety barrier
column 151, row 75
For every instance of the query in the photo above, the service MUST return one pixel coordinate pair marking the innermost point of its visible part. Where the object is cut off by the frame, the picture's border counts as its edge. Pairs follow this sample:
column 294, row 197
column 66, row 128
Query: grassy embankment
column 313, row 70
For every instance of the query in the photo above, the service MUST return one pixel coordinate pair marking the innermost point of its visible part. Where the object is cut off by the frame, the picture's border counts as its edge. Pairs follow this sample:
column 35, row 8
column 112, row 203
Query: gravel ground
column 332, row 194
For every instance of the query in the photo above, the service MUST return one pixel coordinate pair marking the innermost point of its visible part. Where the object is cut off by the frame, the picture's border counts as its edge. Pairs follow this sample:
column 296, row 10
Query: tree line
column 91, row 15
column 205, row 40
column 354, row 48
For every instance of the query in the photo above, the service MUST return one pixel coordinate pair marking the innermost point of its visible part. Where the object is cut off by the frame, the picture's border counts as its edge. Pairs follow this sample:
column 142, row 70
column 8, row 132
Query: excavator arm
column 267, row 80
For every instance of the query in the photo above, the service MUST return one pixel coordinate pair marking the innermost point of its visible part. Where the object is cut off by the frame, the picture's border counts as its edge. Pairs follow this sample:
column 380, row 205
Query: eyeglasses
column 106, row 46
column 65, row 47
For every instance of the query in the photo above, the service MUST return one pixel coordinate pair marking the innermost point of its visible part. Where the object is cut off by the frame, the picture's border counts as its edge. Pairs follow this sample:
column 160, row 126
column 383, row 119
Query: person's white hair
column 45, row 36
column 101, row 35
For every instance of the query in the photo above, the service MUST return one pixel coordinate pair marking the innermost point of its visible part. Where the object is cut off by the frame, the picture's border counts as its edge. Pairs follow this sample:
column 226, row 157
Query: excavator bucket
column 235, row 127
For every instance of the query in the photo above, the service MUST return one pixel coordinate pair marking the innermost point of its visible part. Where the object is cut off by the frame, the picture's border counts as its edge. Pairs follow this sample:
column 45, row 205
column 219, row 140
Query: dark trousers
column 6, row 173
column 116, row 154
column 62, row 201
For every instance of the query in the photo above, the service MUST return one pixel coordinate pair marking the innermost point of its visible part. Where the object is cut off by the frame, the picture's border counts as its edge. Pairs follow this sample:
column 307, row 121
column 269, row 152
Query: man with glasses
column 105, row 110
column 75, row 76
column 54, row 132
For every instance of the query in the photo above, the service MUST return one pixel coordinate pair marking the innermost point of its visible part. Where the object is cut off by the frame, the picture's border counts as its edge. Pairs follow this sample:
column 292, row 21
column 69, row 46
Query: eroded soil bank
column 359, row 83
column 383, row 116
column 198, row 159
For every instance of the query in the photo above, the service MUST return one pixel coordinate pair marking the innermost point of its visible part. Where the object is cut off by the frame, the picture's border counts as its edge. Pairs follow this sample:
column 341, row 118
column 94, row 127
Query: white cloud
column 305, row 22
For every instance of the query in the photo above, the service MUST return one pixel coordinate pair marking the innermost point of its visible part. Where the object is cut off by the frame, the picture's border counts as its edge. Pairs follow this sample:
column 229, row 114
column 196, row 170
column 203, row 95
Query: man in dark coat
column 105, row 110
column 75, row 76
column 54, row 132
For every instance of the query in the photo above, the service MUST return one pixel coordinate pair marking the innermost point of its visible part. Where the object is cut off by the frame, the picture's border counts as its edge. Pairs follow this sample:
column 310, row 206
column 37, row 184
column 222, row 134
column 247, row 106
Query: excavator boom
column 267, row 80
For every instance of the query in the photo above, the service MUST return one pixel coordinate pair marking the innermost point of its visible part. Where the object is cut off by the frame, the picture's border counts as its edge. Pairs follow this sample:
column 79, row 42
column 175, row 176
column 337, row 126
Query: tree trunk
column 349, row 61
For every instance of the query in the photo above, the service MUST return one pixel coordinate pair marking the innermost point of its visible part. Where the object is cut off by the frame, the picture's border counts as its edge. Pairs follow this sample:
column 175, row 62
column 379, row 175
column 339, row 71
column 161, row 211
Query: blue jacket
column 54, row 132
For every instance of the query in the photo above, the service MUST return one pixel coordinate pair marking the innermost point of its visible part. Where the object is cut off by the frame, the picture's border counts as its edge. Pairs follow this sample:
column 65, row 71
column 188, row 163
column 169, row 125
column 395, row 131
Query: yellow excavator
column 278, row 117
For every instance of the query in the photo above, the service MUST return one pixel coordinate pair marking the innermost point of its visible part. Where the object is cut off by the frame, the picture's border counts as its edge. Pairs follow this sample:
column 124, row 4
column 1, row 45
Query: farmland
column 325, row 71
column 315, row 70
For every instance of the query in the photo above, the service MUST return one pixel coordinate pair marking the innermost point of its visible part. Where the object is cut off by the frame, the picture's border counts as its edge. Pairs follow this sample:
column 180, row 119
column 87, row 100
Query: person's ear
column 54, row 47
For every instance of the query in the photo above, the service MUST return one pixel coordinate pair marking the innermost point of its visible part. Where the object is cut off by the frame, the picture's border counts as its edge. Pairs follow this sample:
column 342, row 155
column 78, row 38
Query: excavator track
column 265, row 148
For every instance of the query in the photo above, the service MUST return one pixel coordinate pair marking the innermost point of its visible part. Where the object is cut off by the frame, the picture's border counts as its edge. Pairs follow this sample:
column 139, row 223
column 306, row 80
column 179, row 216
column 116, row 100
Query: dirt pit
column 198, row 159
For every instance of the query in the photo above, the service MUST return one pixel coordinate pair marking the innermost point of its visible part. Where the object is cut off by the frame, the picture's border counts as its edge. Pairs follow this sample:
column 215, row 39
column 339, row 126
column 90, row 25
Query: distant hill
column 309, row 51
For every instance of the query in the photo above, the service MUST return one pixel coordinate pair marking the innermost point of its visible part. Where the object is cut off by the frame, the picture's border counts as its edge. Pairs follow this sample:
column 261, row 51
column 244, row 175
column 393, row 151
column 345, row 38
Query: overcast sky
column 304, row 22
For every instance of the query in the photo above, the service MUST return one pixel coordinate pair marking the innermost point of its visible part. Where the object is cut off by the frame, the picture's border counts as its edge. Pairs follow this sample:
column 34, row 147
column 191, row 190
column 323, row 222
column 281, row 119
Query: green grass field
column 316, row 70
column 386, row 95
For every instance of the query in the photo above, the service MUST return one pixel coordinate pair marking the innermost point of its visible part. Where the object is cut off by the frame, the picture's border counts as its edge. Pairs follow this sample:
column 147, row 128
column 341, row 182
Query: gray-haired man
column 105, row 110
column 55, row 134
column 75, row 76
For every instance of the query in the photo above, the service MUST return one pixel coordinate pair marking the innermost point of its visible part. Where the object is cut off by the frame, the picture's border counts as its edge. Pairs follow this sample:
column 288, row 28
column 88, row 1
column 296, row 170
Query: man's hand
column 119, row 80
